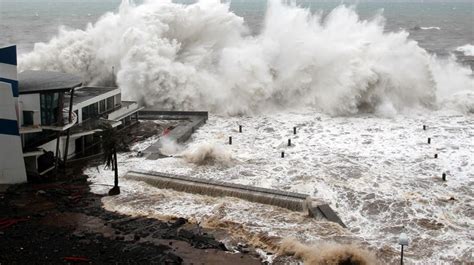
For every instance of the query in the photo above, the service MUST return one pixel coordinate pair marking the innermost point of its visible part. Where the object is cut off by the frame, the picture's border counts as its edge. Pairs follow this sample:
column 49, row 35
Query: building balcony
column 30, row 129
column 91, row 126
column 64, row 124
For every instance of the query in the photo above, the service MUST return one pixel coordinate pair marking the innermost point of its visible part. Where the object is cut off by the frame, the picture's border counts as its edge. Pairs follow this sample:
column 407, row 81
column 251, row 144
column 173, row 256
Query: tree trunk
column 115, row 168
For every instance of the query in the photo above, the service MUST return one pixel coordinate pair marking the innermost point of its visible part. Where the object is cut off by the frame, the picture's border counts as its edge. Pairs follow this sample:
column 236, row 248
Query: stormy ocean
column 359, row 80
column 440, row 27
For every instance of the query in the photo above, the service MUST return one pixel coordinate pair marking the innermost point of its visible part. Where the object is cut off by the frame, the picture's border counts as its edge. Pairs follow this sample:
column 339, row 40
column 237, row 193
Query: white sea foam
column 467, row 49
column 201, row 56
column 428, row 28
column 378, row 174
column 170, row 147
column 205, row 153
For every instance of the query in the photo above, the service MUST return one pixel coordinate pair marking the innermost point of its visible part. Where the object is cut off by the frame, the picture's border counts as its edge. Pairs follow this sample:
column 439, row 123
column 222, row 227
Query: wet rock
column 179, row 222
column 48, row 240
column 78, row 235
column 169, row 234
column 243, row 248
column 185, row 234
column 143, row 234
column 170, row 258
column 200, row 241
column 85, row 241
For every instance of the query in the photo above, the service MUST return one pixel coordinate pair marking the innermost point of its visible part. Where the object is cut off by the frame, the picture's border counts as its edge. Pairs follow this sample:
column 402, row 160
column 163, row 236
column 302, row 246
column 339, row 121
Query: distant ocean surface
column 440, row 28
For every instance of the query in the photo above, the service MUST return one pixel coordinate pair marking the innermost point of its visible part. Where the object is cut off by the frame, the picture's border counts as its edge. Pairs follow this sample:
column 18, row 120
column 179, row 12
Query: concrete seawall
column 289, row 200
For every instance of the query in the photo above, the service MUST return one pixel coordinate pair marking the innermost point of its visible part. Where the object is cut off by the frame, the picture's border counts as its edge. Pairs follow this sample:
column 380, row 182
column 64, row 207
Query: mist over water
column 202, row 56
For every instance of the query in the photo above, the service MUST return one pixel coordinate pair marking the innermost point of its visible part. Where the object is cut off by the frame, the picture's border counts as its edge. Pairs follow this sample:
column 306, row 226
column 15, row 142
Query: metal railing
column 65, row 122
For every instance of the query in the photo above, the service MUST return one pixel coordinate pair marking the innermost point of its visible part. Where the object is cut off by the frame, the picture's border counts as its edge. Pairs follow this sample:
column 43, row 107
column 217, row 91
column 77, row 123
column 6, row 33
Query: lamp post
column 403, row 241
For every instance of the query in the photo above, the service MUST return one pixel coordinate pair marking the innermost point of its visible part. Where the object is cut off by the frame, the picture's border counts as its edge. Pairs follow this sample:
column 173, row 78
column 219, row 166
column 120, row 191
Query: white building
column 46, row 128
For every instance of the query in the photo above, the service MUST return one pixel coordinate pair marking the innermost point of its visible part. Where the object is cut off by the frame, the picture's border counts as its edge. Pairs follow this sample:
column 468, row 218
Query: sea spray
column 170, row 147
column 201, row 56
column 467, row 50
column 207, row 153
column 327, row 253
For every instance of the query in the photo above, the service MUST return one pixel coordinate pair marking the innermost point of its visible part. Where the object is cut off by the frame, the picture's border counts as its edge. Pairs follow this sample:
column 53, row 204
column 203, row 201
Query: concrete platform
column 191, row 121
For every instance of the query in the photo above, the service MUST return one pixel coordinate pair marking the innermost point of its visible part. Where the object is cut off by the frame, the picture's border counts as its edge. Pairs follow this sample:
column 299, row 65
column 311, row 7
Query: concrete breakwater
column 289, row 200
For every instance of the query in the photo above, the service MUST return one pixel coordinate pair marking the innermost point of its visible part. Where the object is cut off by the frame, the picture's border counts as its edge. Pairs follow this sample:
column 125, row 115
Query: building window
column 90, row 111
column 28, row 118
column 102, row 106
column 50, row 108
column 118, row 100
column 110, row 103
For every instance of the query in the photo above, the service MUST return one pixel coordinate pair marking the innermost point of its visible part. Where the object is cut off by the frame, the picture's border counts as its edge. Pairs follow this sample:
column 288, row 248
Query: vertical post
column 436, row 156
column 56, row 165
column 294, row 130
column 289, row 142
column 66, row 149
column 444, row 176
column 424, row 127
column 282, row 154
column 429, row 140
column 240, row 128
column 401, row 259
column 116, row 168
column 230, row 140
column 59, row 113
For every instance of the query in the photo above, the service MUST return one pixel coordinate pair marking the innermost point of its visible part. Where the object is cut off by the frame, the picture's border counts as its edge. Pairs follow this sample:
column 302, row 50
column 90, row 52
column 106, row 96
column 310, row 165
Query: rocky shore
column 62, row 222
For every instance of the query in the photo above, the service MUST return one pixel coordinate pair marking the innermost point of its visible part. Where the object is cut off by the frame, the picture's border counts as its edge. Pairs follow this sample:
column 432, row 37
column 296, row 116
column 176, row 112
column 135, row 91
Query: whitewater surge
column 208, row 153
column 467, row 49
column 202, row 56
column 327, row 253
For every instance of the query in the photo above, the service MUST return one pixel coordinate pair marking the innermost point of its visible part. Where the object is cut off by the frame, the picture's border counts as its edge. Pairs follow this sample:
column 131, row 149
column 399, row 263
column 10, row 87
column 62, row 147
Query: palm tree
column 110, row 141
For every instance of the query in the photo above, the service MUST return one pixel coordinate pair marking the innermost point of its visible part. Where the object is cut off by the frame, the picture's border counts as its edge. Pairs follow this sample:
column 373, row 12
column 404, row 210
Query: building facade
column 47, row 118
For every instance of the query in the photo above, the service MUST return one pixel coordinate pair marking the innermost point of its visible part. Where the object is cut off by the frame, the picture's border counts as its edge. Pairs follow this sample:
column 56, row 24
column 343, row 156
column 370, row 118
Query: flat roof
column 46, row 81
column 85, row 93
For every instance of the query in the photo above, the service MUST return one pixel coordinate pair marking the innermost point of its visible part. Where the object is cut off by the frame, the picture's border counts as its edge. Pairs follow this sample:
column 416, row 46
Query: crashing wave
column 467, row 50
column 202, row 56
